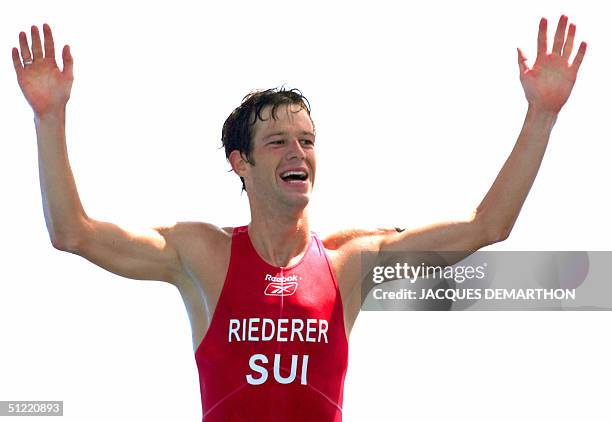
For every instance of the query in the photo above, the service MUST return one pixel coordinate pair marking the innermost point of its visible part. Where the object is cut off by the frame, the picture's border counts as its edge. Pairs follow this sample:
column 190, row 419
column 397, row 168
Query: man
column 271, row 305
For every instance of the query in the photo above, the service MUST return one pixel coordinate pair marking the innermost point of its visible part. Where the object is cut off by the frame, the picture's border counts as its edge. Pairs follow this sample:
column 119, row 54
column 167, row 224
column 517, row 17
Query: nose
column 295, row 150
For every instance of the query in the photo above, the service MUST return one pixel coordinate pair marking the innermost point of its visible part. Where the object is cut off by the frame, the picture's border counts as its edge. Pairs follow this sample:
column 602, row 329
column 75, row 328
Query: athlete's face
column 284, row 156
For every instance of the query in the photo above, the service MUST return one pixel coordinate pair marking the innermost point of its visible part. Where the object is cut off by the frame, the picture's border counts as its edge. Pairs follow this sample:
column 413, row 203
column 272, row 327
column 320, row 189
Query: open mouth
column 294, row 176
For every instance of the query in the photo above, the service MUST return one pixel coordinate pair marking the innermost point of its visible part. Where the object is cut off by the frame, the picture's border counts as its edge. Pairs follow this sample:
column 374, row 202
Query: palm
column 549, row 83
column 45, row 87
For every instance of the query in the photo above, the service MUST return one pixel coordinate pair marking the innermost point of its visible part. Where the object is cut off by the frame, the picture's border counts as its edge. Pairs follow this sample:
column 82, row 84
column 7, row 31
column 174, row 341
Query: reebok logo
column 281, row 279
column 281, row 286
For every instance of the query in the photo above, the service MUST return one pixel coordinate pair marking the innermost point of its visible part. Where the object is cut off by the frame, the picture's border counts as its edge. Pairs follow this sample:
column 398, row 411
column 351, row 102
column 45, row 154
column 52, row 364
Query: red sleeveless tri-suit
column 276, row 348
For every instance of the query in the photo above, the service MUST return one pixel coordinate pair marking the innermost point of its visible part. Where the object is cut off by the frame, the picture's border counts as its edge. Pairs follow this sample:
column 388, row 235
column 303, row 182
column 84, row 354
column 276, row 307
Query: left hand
column 549, row 82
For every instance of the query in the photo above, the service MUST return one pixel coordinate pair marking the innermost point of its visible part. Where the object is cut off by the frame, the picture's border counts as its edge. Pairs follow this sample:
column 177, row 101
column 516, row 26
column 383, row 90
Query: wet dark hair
column 237, row 133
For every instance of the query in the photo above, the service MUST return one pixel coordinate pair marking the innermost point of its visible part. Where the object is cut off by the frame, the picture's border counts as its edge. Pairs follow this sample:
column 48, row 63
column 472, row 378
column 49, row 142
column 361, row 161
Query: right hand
column 46, row 88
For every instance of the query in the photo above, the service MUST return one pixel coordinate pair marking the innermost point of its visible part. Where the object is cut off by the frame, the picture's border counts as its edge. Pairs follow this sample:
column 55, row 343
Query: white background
column 416, row 107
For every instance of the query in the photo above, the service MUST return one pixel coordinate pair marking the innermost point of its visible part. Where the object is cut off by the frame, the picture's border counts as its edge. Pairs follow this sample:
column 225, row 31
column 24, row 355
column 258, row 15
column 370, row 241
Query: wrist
column 542, row 115
column 57, row 115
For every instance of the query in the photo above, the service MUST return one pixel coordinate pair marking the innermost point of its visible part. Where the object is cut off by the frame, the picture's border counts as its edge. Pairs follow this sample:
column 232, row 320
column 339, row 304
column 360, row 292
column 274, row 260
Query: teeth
column 293, row 173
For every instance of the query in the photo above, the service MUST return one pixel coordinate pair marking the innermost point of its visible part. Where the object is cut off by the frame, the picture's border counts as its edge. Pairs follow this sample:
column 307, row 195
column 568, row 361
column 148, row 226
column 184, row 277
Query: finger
column 560, row 35
column 542, row 37
column 579, row 56
column 36, row 45
column 17, row 61
column 67, row 58
column 24, row 48
column 569, row 42
column 522, row 61
column 49, row 46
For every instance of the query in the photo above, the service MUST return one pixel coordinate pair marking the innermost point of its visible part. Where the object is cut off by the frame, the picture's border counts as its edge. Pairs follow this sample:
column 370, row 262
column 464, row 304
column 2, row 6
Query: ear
column 238, row 163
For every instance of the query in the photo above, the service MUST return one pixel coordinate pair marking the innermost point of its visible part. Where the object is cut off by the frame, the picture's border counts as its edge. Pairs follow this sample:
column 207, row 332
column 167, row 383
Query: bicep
column 459, row 237
column 140, row 254
column 465, row 235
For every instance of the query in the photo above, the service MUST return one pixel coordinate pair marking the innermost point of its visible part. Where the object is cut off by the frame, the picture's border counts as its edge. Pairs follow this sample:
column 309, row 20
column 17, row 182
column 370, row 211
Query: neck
column 279, row 237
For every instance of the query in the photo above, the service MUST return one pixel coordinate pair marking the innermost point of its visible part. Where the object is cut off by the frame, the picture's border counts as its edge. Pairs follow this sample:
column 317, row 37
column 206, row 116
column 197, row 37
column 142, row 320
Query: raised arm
column 148, row 254
column 547, row 87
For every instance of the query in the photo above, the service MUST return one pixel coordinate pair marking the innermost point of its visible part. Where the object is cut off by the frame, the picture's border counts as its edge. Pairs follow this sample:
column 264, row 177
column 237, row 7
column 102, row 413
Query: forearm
column 500, row 207
column 62, row 207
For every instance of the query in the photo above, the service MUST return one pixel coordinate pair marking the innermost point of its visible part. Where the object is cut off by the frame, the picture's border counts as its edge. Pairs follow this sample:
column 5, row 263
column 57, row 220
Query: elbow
column 66, row 242
column 57, row 243
column 490, row 231
column 69, row 239
column 497, row 234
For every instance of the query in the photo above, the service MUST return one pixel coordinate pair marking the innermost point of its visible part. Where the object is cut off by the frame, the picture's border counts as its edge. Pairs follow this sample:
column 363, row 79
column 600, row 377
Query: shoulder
column 348, row 239
column 348, row 248
column 190, row 231
column 198, row 239
column 204, row 249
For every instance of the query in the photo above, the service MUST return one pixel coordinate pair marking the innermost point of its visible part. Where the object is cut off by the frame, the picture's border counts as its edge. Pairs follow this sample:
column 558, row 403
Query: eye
column 277, row 142
column 307, row 142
